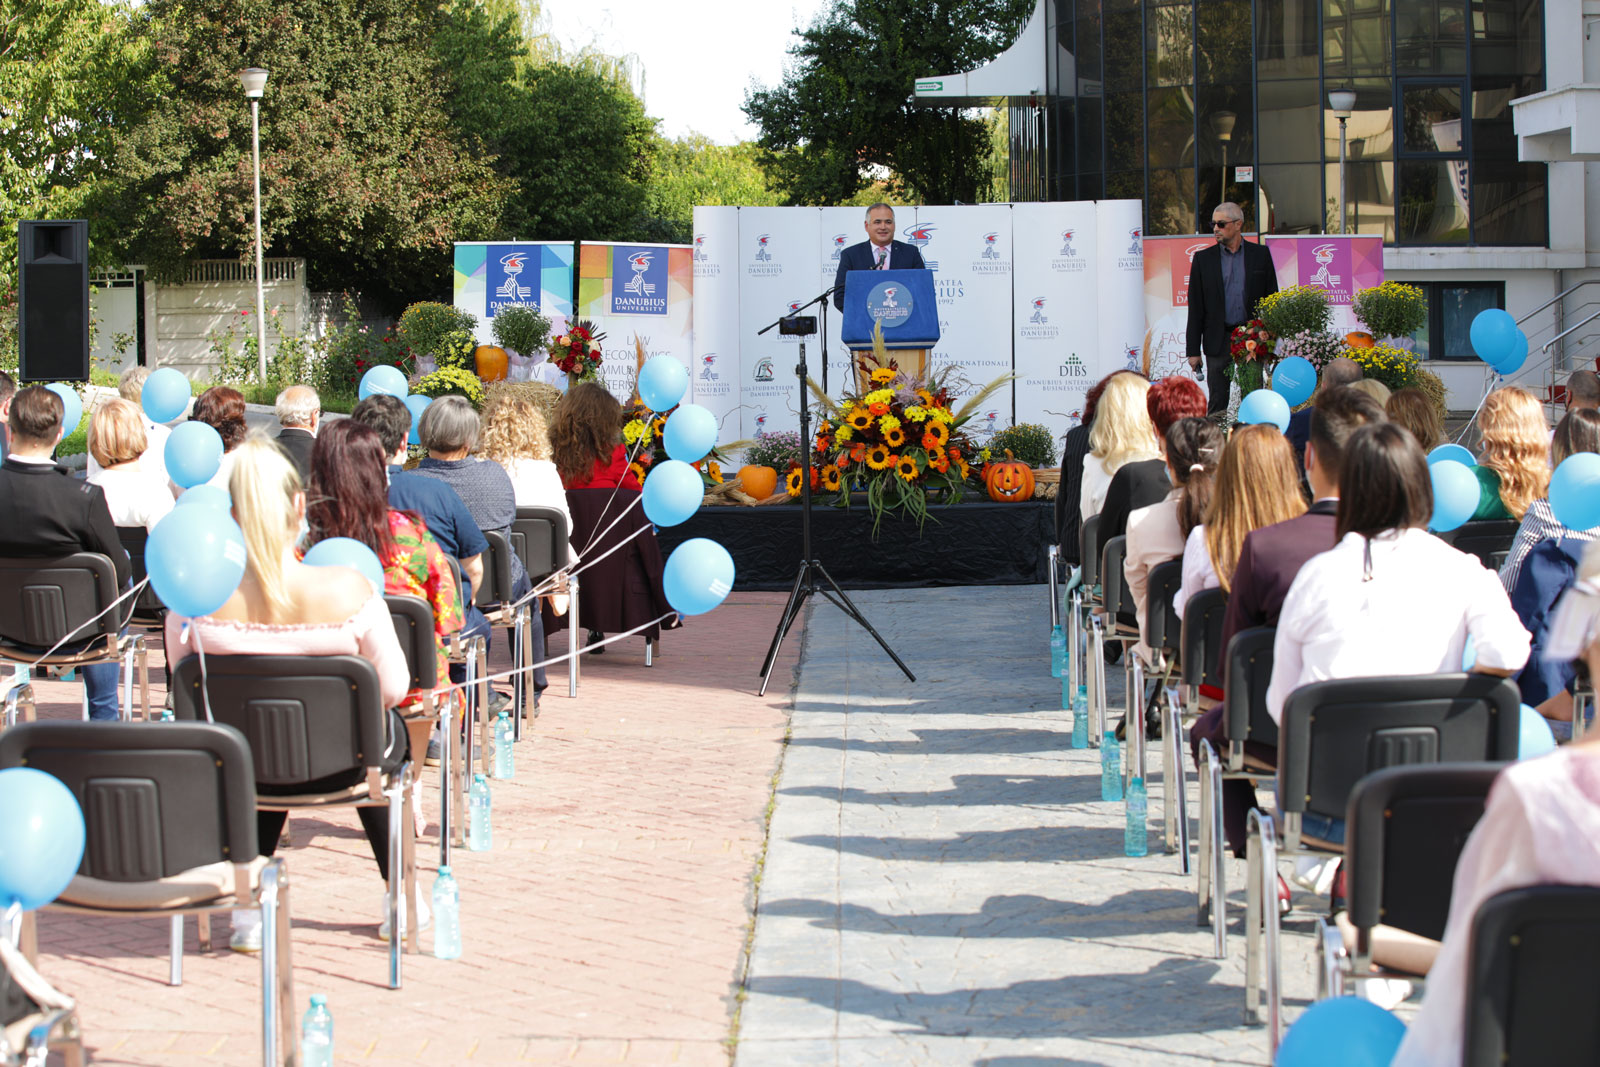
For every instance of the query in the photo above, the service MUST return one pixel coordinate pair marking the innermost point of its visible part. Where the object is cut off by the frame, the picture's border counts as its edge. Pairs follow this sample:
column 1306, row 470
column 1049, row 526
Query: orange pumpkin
column 1009, row 480
column 491, row 362
column 759, row 482
column 1358, row 339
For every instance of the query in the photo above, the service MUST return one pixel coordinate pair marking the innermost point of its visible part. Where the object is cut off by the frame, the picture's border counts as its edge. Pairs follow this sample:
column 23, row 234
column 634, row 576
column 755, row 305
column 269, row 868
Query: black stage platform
column 977, row 543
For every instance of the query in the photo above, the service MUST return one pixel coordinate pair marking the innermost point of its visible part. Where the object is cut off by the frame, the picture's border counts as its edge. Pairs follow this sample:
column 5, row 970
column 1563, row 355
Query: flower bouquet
column 577, row 352
column 1251, row 348
column 643, row 432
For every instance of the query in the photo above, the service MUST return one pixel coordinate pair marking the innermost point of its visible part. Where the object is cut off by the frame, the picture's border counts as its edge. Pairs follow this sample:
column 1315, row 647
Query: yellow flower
column 937, row 432
column 878, row 457
column 792, row 483
column 860, row 420
column 894, row 437
column 843, row 434
column 906, row 468
column 830, row 478
column 943, row 415
column 878, row 396
column 983, row 454
column 631, row 432
column 925, row 396
column 887, row 423
column 916, row 413
column 714, row 471
column 882, row 375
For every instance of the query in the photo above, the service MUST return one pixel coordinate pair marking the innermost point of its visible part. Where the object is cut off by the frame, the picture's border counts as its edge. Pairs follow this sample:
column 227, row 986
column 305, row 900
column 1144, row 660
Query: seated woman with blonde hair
column 1122, row 434
column 1514, row 462
column 516, row 436
column 136, row 496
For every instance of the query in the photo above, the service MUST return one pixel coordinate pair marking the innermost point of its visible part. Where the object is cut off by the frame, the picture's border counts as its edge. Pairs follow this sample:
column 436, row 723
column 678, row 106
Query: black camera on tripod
column 797, row 325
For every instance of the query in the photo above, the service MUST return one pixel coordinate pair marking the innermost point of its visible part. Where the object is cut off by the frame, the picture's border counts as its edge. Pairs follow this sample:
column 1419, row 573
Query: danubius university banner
column 636, row 294
column 489, row 276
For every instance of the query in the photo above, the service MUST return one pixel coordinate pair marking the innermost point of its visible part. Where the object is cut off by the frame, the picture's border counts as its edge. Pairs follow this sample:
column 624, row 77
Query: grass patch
column 75, row 443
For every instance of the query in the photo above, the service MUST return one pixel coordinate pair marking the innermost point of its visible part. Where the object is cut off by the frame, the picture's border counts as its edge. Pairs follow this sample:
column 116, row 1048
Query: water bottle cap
column 477, row 777
column 444, row 868
column 318, row 1000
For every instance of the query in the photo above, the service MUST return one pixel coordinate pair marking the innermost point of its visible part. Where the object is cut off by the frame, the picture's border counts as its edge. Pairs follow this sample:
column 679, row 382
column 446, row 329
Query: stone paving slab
column 943, row 883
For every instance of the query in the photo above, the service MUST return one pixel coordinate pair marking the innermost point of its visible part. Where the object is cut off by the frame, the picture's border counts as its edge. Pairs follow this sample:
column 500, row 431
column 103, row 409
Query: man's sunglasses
column 1217, row 224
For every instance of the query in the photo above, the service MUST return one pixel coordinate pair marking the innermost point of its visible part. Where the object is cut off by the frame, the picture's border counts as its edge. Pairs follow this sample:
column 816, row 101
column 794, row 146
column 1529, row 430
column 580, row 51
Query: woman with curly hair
column 516, row 436
column 1514, row 462
column 1123, row 433
column 222, row 409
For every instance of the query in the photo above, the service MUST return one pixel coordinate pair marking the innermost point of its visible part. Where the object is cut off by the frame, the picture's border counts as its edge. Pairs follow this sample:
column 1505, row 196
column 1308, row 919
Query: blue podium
column 903, row 303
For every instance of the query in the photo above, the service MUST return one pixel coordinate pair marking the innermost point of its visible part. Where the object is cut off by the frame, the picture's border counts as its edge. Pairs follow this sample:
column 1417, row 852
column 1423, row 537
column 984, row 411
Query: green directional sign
column 930, row 87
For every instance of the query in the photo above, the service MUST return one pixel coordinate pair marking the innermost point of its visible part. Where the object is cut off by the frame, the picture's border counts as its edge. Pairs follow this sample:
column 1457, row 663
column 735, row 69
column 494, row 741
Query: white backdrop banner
column 839, row 228
column 969, row 249
column 778, row 261
column 1120, row 299
column 1054, row 312
column 714, row 376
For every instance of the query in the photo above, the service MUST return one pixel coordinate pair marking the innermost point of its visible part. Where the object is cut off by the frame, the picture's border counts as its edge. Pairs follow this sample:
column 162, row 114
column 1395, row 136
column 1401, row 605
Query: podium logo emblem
column 638, row 281
column 762, row 255
column 889, row 304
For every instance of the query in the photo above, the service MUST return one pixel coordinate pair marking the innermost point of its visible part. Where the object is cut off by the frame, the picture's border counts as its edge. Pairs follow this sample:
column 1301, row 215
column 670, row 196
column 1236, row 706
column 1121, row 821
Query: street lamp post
column 254, row 80
column 1222, row 125
column 1342, row 101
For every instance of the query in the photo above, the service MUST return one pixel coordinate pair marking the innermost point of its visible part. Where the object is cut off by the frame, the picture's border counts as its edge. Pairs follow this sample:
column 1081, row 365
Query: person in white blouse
column 1123, row 433
column 1155, row 533
column 1257, row 485
column 516, row 436
column 1389, row 597
column 135, row 495
column 130, row 387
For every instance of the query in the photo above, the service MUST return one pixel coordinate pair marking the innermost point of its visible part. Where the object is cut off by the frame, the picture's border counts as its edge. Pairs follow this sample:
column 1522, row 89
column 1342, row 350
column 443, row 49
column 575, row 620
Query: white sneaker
column 1386, row 993
column 425, row 917
column 1316, row 874
column 246, row 931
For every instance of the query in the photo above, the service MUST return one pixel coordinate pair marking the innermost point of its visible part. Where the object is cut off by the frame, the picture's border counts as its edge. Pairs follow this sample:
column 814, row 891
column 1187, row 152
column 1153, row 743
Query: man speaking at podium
column 879, row 252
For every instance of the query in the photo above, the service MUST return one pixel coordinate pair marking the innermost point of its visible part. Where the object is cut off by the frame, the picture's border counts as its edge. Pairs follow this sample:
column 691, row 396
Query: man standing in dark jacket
column 1225, row 282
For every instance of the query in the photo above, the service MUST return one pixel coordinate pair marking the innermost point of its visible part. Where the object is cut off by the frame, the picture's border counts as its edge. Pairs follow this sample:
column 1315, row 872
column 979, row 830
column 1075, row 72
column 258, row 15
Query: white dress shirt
column 134, row 497
column 537, row 484
column 1153, row 537
column 1412, row 615
column 1198, row 573
column 155, row 452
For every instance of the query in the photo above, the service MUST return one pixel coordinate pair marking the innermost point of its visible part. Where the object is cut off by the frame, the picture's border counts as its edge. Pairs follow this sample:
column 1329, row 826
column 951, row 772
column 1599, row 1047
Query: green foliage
column 692, row 170
column 289, row 359
column 843, row 113
column 1297, row 309
column 351, row 349
column 1028, row 441
column 456, row 350
column 426, row 326
column 1392, row 309
column 520, row 328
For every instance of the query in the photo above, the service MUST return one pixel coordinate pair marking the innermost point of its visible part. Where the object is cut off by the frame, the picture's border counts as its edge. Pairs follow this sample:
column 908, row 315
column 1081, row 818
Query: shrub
column 1433, row 385
column 451, row 380
column 521, row 329
column 1028, row 442
column 456, row 350
column 425, row 326
column 778, row 450
column 1297, row 309
column 1394, row 367
column 1319, row 347
column 1392, row 309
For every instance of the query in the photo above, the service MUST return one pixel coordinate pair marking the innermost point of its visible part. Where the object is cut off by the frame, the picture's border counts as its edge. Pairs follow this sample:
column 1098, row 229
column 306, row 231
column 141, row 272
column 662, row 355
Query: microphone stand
column 805, row 582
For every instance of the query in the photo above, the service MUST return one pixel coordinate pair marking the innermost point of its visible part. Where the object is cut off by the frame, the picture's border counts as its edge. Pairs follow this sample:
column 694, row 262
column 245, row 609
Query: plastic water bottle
column 1080, row 717
column 502, row 764
column 1110, row 768
column 446, row 916
column 1058, row 651
column 316, row 1034
column 1134, row 841
column 480, row 837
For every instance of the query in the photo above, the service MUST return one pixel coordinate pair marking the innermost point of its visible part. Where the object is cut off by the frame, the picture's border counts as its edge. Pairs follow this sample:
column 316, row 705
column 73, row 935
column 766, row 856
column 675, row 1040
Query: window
column 1451, row 308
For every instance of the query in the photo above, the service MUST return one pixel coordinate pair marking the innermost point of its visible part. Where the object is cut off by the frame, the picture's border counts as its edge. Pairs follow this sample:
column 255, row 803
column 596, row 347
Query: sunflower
column 906, row 468
column 965, row 469
column 830, row 478
column 637, row 470
column 792, row 483
column 714, row 471
column 659, row 425
column 860, row 420
column 925, row 396
column 882, row 376
column 878, row 457
column 938, row 431
column 894, row 437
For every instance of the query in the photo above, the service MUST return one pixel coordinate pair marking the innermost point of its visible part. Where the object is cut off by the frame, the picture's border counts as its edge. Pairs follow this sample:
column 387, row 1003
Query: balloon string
column 552, row 660
column 70, row 634
column 554, row 580
column 205, row 689
column 615, row 489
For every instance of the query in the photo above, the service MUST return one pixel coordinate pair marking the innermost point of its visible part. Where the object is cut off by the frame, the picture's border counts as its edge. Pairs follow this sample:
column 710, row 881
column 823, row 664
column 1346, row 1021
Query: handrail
column 1553, row 301
column 1546, row 346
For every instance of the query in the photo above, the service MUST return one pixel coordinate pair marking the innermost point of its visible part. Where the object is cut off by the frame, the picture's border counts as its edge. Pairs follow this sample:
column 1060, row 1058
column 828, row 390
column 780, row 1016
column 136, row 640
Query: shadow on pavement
column 1022, row 915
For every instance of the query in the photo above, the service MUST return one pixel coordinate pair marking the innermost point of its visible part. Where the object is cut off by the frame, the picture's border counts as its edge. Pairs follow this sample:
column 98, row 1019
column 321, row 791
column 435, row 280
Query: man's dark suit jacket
column 1268, row 562
column 50, row 513
column 1208, row 328
column 298, row 444
column 861, row 257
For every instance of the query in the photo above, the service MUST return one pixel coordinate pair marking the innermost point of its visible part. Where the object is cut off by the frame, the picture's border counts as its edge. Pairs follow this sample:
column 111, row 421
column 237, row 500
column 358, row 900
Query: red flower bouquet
column 577, row 352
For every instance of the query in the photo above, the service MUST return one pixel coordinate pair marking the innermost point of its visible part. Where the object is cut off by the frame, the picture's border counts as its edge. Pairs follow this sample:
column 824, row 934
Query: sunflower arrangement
column 577, row 351
column 895, row 440
column 643, row 432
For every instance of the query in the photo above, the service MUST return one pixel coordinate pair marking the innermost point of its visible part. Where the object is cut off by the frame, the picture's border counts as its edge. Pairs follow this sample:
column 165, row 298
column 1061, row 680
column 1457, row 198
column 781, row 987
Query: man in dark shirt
column 298, row 408
column 49, row 513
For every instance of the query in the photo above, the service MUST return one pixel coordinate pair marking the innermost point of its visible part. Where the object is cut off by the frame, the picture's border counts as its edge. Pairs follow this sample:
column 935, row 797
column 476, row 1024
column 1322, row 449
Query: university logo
column 989, row 249
column 762, row 255
column 707, row 362
column 640, row 262
column 761, row 423
column 1324, row 256
column 511, row 289
column 839, row 241
column 1188, row 253
column 700, row 248
column 989, row 419
column 1066, row 244
column 1136, row 245
column 920, row 235
column 1038, row 317
column 638, row 281
column 1133, row 356
column 889, row 304
column 763, row 373
column 1072, row 367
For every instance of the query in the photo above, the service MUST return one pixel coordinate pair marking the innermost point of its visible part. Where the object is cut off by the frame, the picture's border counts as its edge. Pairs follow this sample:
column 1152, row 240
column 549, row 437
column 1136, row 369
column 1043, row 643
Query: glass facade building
column 1163, row 101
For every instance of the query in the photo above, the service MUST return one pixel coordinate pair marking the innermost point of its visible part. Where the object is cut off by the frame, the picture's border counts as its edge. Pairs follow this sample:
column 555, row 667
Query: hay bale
column 541, row 394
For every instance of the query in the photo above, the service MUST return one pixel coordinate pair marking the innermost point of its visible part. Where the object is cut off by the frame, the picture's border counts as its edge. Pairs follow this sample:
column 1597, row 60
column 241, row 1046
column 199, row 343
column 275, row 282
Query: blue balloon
column 698, row 576
column 662, row 382
column 72, row 403
column 211, row 496
column 1535, row 737
column 691, row 433
column 1512, row 361
column 416, row 403
column 195, row 558
column 1461, row 455
column 1295, row 379
column 41, row 837
column 347, row 552
column 1575, row 491
column 383, row 380
column 166, row 395
column 1342, row 1032
column 1493, row 334
column 672, row 492
column 193, row 453
column 1455, row 495
column 1264, row 405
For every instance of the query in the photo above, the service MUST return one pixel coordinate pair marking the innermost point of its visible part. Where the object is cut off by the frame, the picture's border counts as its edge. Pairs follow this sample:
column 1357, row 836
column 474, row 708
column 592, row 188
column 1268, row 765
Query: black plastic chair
column 1533, row 966
column 1163, row 629
column 1331, row 735
column 542, row 537
column 148, row 610
column 473, row 654
column 413, row 625
column 1406, row 827
column 1483, row 538
column 170, row 822
column 44, row 600
column 1117, row 599
column 308, row 719
column 495, row 600
column 1200, row 644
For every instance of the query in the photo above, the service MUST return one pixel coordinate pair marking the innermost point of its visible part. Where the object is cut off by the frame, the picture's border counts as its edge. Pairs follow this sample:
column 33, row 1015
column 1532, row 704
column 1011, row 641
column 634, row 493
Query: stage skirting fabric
column 961, row 544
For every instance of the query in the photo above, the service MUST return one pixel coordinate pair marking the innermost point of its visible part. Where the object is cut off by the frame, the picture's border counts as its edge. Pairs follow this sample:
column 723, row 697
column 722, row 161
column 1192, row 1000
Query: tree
column 692, row 170
column 843, row 111
column 361, row 170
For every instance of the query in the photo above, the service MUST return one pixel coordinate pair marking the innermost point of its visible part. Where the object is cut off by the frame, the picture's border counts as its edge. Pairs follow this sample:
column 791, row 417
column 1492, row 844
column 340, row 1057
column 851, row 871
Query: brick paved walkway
column 607, row 926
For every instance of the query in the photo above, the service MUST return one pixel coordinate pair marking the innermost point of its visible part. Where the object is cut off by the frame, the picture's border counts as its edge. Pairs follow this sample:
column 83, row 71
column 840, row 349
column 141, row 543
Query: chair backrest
column 1088, row 538
column 1117, row 597
column 306, row 717
column 496, row 585
column 1249, row 674
column 1405, row 829
column 133, row 539
column 1534, row 964
column 1333, row 734
column 1484, row 538
column 1162, row 626
column 540, row 536
column 41, row 600
column 157, row 798
column 413, row 625
column 1201, row 642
